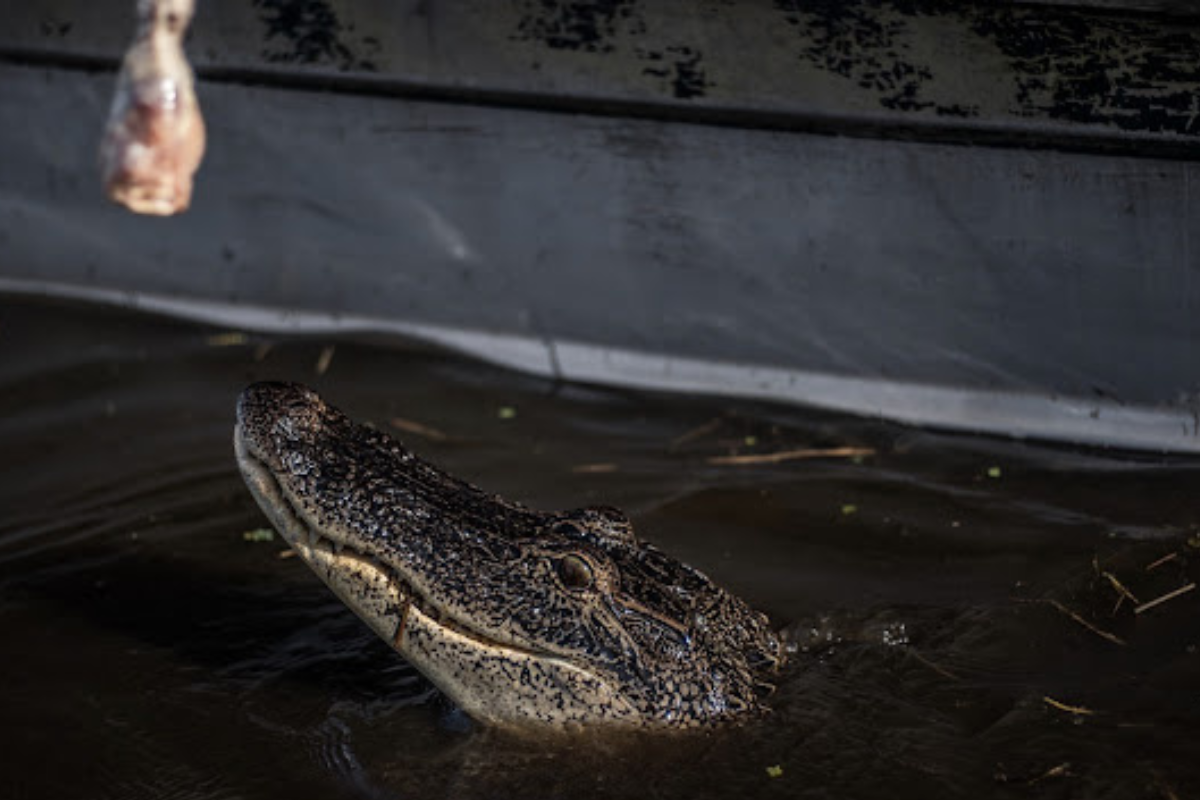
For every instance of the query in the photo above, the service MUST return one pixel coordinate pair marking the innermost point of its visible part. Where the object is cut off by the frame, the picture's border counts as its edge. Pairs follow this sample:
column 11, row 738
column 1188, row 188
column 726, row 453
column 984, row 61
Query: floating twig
column 1122, row 592
column 1077, row 710
column 1168, row 596
column 1103, row 634
column 696, row 433
column 417, row 429
column 1166, row 789
column 791, row 455
column 325, row 359
column 1155, row 565
column 594, row 469
column 938, row 668
column 1063, row 770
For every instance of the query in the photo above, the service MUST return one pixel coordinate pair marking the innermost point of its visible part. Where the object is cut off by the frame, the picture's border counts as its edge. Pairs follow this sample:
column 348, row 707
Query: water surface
column 951, row 600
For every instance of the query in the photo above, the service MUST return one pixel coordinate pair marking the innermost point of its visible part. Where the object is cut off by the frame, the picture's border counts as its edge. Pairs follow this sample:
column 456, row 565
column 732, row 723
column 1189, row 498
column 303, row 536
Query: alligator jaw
column 374, row 592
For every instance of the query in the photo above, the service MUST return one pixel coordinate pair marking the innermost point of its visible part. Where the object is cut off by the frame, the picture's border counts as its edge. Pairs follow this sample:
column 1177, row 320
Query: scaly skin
column 523, row 618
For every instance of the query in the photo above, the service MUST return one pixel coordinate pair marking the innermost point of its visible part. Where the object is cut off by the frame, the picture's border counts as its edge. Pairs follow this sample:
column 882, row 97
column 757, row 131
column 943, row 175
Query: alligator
column 524, row 619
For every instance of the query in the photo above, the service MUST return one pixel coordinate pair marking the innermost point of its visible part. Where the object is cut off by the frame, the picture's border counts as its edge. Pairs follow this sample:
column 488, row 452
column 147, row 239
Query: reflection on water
column 962, row 610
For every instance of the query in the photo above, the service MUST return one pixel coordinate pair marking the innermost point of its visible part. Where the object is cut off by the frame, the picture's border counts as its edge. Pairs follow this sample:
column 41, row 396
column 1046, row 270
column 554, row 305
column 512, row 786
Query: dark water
column 150, row 650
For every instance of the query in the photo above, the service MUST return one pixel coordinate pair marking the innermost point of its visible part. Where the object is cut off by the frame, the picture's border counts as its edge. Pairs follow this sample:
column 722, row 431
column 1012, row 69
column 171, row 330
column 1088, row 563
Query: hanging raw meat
column 154, row 139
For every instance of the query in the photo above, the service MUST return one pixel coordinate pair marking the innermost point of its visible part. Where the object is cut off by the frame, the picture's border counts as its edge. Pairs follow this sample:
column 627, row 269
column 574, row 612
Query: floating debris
column 696, row 433
column 848, row 509
column 1070, row 709
column 506, row 412
column 227, row 339
column 1063, row 770
column 601, row 468
column 994, row 472
column 259, row 535
column 938, row 668
column 1168, row 792
column 1103, row 634
column 417, row 429
column 780, row 456
column 1182, row 590
column 775, row 771
column 1122, row 592
column 261, row 352
column 283, row 555
column 1169, row 557
column 325, row 359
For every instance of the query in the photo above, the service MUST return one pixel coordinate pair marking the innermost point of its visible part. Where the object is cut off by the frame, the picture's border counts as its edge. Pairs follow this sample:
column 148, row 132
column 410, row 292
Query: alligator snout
column 272, row 417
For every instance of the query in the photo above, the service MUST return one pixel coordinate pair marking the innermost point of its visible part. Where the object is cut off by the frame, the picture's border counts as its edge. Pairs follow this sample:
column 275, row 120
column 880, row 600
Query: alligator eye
column 574, row 572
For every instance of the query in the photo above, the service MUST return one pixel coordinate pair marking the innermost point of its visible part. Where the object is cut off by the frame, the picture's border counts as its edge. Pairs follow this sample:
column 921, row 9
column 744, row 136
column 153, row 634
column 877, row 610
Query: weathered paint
column 1030, row 74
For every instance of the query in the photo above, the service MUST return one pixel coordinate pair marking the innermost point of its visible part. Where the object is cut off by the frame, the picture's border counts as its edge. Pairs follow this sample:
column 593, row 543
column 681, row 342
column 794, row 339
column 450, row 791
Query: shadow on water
column 962, row 610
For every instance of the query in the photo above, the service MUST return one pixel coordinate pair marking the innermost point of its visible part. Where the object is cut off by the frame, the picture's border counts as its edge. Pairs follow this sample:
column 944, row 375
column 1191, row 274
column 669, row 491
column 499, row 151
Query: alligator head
column 522, row 618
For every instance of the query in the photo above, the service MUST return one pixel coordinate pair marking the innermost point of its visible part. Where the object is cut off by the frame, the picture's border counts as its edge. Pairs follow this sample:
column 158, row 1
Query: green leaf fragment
column 775, row 771
column 849, row 508
column 993, row 472
column 227, row 339
column 259, row 535
column 506, row 412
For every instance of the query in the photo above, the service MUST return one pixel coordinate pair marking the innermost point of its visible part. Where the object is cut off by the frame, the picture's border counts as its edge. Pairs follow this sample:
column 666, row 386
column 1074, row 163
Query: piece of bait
column 154, row 138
